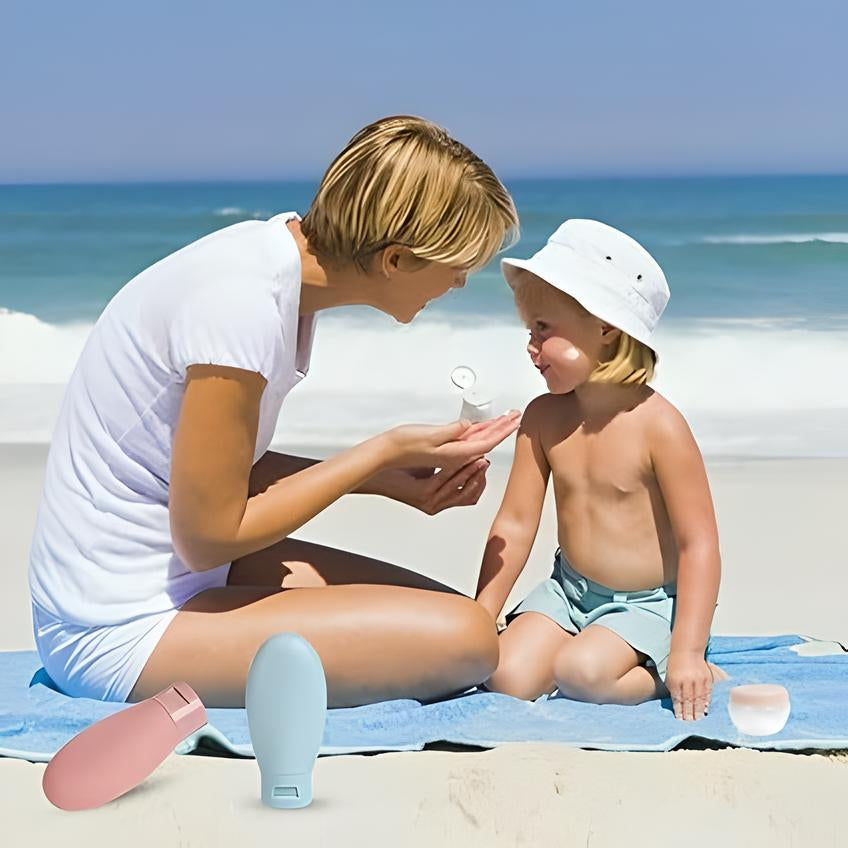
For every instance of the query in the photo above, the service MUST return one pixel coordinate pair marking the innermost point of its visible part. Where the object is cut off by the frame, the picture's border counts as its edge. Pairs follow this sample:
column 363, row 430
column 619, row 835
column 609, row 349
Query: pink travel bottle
column 118, row 752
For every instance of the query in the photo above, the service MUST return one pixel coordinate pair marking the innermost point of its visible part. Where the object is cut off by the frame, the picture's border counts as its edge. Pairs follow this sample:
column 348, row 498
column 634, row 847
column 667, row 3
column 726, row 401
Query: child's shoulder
column 546, row 410
column 658, row 404
column 663, row 419
column 656, row 413
column 544, row 405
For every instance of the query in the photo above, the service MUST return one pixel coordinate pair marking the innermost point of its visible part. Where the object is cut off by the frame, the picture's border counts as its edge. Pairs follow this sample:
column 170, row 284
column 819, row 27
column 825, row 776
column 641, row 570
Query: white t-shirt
column 102, row 550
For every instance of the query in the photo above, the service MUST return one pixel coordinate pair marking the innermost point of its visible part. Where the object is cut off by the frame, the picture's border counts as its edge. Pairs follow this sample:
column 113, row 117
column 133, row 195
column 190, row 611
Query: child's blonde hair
column 630, row 361
column 404, row 181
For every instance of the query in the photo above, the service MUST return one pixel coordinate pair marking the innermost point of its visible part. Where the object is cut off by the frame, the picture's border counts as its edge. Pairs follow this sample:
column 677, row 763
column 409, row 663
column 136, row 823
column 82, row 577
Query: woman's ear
column 390, row 258
column 395, row 258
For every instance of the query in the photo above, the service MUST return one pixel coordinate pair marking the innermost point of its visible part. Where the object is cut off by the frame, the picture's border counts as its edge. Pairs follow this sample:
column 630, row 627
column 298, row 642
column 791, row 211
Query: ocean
column 754, row 342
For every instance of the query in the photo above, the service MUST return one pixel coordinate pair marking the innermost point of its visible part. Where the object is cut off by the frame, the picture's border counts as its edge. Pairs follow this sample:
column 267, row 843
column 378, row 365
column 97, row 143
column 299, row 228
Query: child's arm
column 514, row 528
column 683, row 482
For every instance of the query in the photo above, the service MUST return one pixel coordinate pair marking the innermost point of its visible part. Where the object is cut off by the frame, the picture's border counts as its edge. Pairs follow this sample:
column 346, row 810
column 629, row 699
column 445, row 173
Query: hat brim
column 579, row 279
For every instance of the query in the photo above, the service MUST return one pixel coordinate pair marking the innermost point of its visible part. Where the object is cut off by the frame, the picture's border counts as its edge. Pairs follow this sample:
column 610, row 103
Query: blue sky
column 257, row 89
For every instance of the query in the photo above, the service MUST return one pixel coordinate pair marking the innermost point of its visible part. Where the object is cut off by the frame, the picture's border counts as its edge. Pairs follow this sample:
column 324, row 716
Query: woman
column 163, row 550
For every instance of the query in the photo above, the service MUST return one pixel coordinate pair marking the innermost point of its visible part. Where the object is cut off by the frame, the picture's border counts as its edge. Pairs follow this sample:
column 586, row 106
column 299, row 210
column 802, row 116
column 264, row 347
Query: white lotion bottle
column 286, row 702
column 477, row 405
column 477, row 401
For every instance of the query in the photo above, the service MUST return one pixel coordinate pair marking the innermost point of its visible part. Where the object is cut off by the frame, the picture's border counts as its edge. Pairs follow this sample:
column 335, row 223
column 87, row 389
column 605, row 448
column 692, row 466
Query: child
column 635, row 580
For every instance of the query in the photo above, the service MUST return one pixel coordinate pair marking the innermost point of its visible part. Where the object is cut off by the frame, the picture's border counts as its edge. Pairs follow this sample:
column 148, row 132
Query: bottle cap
column 287, row 791
column 463, row 377
column 184, row 707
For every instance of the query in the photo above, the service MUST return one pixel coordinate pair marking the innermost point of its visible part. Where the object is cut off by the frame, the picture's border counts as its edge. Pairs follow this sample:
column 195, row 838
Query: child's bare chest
column 611, row 462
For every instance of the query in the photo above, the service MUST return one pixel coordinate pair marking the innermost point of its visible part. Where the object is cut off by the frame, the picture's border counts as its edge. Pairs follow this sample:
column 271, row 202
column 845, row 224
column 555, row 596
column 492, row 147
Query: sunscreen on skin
column 286, row 702
column 566, row 366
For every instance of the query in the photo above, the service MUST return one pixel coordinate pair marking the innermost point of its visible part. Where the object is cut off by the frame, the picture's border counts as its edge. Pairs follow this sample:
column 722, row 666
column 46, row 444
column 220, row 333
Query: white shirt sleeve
column 227, row 323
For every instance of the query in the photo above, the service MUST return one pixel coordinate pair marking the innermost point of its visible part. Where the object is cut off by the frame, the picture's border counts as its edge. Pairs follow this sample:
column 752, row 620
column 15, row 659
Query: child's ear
column 609, row 333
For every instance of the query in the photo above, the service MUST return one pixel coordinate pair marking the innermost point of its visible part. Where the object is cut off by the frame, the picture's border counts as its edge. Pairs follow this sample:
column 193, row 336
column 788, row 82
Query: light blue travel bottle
column 286, row 701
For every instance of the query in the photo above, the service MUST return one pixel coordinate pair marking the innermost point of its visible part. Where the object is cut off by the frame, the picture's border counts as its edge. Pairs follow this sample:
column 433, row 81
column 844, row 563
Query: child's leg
column 527, row 650
column 599, row 666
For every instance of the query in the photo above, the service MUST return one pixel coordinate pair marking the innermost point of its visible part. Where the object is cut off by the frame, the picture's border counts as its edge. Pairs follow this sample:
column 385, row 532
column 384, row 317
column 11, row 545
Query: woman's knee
column 469, row 635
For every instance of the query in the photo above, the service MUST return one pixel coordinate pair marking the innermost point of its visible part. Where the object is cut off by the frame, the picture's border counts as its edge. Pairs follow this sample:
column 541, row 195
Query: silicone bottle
column 286, row 701
column 477, row 405
column 477, row 401
column 115, row 754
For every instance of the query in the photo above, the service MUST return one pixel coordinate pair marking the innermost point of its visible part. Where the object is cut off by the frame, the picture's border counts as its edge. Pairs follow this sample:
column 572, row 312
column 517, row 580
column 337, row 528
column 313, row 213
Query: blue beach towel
column 36, row 720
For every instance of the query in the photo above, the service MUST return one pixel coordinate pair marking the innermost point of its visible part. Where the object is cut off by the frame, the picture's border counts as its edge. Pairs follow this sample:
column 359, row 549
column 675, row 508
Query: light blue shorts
column 102, row 662
column 644, row 619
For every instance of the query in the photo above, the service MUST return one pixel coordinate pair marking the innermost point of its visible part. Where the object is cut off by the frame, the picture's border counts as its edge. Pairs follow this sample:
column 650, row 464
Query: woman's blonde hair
column 404, row 181
column 629, row 361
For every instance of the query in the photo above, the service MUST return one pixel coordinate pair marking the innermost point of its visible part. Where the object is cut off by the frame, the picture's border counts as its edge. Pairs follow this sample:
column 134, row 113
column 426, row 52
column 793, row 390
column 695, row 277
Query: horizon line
column 623, row 177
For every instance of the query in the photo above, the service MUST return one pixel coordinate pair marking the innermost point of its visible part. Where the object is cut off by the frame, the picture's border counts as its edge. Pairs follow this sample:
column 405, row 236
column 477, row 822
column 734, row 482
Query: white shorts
column 97, row 661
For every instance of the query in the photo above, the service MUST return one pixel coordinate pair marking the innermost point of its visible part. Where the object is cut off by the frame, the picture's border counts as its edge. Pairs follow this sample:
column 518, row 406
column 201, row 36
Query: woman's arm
column 517, row 521
column 273, row 466
column 427, row 489
column 214, row 520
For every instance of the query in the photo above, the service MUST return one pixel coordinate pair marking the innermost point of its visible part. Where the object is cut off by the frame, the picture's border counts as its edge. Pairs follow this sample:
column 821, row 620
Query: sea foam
column 747, row 387
column 778, row 238
column 238, row 212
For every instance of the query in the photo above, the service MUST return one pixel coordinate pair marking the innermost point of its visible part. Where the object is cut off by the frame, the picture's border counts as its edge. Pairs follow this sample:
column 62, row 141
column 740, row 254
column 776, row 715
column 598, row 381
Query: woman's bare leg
column 376, row 640
column 292, row 563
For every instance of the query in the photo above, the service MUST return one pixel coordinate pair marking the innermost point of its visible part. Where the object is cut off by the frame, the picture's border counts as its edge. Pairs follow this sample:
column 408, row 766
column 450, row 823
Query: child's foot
column 718, row 673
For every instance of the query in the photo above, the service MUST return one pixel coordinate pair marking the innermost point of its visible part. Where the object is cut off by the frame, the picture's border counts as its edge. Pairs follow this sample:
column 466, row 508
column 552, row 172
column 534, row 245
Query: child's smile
column 563, row 364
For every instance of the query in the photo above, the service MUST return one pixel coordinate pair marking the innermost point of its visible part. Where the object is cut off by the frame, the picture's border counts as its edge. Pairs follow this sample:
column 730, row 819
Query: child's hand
column 689, row 681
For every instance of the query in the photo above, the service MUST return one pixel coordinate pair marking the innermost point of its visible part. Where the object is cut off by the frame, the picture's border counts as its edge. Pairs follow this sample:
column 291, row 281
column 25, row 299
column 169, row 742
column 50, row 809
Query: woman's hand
column 432, row 490
column 449, row 447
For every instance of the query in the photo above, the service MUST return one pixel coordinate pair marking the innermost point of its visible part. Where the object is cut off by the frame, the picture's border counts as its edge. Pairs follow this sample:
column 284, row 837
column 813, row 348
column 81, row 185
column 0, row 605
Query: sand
column 784, row 571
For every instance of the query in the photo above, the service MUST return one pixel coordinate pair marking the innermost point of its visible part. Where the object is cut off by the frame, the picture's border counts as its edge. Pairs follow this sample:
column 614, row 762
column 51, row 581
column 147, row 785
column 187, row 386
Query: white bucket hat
column 607, row 272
